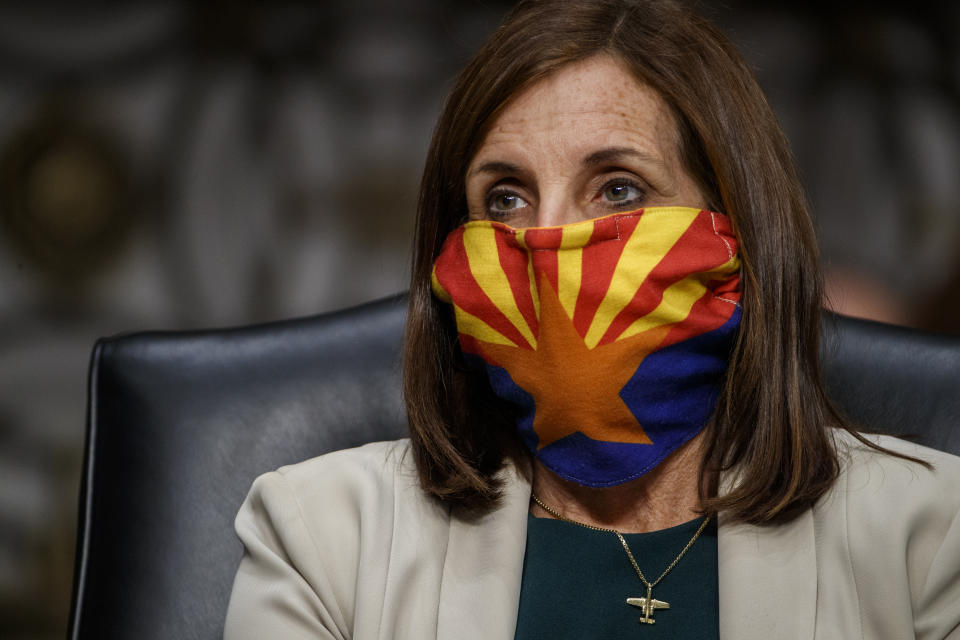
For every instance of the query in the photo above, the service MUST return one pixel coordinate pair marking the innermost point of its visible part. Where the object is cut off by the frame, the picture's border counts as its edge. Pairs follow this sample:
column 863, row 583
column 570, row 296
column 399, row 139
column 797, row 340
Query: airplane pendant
column 648, row 605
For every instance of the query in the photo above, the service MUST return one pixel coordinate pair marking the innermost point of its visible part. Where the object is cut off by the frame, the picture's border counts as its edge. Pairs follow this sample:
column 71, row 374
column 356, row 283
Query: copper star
column 576, row 388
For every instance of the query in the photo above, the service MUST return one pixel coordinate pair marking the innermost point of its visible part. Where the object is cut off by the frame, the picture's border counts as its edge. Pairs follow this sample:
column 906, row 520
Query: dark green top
column 576, row 583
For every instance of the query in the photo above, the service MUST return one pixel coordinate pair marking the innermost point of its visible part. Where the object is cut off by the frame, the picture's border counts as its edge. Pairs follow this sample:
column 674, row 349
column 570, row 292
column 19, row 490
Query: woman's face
column 587, row 141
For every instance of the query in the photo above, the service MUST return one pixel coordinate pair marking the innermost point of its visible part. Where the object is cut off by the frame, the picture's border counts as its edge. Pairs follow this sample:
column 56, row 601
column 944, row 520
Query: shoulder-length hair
column 771, row 420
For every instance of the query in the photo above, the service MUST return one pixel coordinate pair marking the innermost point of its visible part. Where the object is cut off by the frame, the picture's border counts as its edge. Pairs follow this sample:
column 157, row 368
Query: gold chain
column 649, row 585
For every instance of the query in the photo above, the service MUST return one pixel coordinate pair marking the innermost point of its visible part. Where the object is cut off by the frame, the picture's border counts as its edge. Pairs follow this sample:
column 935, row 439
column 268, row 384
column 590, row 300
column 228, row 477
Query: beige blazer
column 347, row 546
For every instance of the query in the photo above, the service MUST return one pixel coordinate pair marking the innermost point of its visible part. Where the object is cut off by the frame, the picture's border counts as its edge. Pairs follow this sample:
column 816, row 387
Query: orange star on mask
column 576, row 388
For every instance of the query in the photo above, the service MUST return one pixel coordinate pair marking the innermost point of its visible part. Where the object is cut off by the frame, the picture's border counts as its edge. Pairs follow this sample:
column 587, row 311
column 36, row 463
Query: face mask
column 610, row 336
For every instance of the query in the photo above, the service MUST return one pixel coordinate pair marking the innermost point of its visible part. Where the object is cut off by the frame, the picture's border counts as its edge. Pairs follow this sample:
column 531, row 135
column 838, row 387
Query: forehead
column 592, row 102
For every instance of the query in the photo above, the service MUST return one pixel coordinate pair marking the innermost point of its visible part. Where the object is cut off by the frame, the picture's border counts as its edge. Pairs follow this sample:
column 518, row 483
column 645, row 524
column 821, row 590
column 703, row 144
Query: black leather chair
column 179, row 424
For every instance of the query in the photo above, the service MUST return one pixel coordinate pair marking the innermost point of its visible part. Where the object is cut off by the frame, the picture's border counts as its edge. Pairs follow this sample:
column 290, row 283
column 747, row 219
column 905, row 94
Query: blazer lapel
column 480, row 589
column 767, row 580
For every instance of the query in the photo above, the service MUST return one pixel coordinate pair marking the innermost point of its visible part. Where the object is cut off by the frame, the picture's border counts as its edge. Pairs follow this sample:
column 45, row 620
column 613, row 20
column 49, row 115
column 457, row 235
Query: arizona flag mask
column 610, row 335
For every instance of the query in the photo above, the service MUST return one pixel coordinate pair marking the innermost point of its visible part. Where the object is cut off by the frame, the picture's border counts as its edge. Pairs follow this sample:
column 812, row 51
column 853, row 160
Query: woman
column 617, row 422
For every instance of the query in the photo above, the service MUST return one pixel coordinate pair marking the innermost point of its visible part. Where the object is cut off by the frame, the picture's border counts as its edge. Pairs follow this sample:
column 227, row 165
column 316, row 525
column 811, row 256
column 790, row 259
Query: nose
column 557, row 208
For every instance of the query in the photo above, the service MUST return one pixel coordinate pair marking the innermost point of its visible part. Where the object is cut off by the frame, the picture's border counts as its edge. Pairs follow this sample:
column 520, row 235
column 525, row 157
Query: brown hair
column 771, row 421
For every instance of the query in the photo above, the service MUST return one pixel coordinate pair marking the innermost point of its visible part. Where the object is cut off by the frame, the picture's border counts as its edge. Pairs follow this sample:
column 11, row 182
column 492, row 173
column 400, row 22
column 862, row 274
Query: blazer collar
column 767, row 575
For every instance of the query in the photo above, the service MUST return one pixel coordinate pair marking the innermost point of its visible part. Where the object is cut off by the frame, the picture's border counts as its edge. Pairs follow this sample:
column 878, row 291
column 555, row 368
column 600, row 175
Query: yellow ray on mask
column 678, row 299
column 655, row 234
column 674, row 307
column 438, row 289
column 727, row 268
column 569, row 266
column 577, row 235
column 534, row 294
column 479, row 243
column 471, row 325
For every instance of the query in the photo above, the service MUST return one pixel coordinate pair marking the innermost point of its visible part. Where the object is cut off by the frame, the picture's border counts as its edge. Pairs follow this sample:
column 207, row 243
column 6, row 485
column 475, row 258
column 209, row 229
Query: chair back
column 894, row 380
column 179, row 424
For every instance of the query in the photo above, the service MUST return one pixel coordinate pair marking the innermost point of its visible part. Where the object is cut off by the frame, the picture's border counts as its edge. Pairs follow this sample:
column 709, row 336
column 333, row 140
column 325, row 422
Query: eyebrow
column 495, row 167
column 601, row 156
column 613, row 154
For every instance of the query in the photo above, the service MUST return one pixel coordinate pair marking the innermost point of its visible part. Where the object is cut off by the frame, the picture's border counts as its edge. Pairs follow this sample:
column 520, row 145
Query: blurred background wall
column 174, row 165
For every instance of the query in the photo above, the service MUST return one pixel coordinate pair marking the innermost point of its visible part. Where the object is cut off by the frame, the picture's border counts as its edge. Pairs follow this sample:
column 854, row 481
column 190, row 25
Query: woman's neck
column 664, row 497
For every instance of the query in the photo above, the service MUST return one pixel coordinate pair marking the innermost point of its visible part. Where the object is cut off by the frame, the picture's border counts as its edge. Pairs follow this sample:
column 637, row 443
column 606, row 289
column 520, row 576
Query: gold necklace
column 648, row 605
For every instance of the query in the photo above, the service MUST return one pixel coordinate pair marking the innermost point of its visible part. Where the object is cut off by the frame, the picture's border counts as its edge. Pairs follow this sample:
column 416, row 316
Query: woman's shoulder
column 883, row 503
column 324, row 534
column 374, row 482
column 889, row 532
column 323, row 495
column 863, row 465
column 377, row 465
